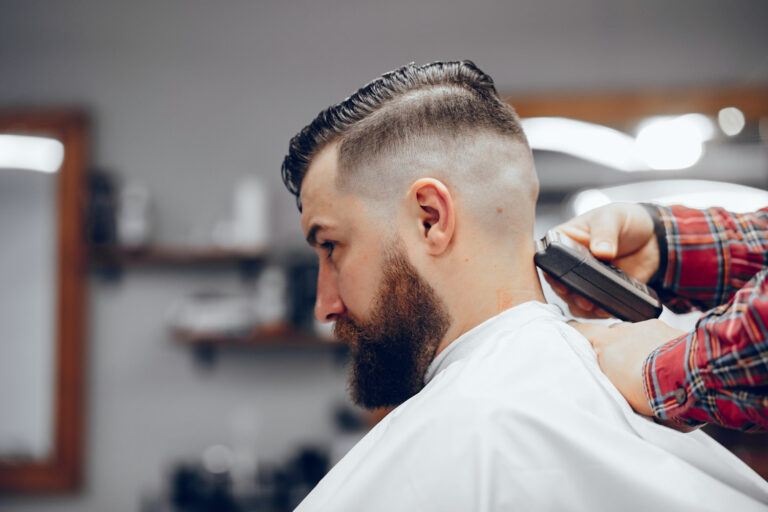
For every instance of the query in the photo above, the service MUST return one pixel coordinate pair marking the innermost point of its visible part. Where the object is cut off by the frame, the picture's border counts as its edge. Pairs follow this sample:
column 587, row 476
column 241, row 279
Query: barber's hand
column 621, row 233
column 622, row 349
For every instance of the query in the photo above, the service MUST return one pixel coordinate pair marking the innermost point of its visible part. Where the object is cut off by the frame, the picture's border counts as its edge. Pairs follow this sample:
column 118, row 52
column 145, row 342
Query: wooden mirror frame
column 63, row 470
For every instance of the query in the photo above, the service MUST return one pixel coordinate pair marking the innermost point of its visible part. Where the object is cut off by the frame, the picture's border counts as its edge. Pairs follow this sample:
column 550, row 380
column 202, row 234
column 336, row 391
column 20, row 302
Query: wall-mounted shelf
column 206, row 345
column 109, row 262
column 277, row 336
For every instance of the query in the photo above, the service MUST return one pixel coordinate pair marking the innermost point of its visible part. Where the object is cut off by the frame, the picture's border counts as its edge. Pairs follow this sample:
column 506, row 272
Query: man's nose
column 328, row 305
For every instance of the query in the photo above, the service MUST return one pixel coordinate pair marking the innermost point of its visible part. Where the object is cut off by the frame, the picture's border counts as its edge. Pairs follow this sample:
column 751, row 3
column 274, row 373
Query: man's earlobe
column 434, row 212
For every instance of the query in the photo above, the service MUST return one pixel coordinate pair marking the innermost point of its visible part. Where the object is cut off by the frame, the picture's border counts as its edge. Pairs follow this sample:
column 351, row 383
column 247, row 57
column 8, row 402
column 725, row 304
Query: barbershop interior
column 158, row 346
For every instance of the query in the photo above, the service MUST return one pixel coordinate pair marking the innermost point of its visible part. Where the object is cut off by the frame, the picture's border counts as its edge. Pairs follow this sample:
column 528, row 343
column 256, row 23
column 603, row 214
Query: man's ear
column 431, row 207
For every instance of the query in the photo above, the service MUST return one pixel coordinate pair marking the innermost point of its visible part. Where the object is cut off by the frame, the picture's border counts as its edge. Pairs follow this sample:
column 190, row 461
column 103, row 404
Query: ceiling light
column 731, row 121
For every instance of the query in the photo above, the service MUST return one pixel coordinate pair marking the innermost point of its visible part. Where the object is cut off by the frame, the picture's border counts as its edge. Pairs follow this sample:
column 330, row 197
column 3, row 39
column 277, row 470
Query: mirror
column 42, row 167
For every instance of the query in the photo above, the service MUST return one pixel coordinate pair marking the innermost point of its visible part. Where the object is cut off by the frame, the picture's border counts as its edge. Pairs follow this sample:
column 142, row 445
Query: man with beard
column 418, row 194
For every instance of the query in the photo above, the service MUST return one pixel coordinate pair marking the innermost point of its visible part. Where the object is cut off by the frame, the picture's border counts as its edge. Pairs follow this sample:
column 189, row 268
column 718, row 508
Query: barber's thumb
column 604, row 234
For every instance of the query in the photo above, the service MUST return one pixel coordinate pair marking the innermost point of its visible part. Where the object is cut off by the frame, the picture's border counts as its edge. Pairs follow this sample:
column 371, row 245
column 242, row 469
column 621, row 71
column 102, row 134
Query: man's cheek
column 356, row 297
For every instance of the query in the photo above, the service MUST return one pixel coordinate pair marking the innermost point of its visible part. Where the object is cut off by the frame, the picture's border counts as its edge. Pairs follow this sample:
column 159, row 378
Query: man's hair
column 411, row 107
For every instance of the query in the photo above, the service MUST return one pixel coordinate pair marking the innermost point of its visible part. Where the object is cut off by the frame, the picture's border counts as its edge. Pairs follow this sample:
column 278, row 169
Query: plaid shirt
column 718, row 372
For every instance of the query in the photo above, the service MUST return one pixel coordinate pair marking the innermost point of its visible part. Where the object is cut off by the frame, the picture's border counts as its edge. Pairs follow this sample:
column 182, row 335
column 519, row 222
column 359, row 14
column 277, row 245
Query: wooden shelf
column 280, row 336
column 110, row 261
column 206, row 346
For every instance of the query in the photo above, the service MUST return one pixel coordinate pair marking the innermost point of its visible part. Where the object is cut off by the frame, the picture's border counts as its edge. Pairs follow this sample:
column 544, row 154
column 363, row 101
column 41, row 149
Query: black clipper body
column 604, row 284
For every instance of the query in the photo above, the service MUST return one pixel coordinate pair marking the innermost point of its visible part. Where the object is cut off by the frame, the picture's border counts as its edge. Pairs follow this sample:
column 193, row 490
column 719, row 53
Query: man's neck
column 485, row 287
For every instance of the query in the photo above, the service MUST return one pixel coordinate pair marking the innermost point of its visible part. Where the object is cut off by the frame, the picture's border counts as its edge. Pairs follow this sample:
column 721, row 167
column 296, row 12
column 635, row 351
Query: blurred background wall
column 187, row 97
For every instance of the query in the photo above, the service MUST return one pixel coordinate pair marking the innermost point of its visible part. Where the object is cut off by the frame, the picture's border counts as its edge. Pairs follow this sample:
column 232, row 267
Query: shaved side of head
column 443, row 133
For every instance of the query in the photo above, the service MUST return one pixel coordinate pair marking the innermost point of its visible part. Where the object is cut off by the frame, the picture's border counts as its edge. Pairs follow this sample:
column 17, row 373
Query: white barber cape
column 516, row 415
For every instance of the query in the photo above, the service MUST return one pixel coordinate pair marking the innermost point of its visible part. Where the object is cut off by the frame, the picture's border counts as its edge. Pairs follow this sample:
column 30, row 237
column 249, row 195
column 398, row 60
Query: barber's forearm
column 718, row 372
column 707, row 255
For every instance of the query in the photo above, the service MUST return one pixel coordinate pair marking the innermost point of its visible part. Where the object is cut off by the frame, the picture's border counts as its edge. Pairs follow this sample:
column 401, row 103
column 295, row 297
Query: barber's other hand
column 622, row 349
column 621, row 233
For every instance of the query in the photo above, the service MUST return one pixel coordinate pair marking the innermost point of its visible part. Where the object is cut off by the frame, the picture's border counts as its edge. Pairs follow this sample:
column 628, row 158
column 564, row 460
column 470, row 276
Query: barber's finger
column 577, row 304
column 573, row 299
column 583, row 303
column 577, row 229
column 598, row 312
column 604, row 227
column 558, row 287
column 573, row 305
column 582, row 307
column 595, row 313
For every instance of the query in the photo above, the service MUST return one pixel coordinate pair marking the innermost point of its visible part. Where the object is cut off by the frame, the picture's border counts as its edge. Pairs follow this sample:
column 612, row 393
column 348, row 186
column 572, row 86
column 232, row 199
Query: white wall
column 189, row 95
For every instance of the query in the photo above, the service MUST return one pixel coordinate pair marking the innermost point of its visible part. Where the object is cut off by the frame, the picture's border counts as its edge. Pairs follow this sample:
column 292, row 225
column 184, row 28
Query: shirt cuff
column 670, row 394
column 656, row 212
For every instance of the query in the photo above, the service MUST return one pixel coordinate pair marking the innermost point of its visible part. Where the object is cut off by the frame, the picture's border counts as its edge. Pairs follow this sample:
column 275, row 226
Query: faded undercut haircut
column 433, row 116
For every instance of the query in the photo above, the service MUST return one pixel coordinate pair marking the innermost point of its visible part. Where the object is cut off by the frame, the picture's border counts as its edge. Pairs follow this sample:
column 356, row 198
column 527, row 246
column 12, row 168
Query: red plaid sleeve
column 710, row 255
column 719, row 371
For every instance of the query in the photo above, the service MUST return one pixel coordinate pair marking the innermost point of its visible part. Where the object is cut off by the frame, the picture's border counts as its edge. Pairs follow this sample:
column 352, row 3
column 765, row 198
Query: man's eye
column 328, row 247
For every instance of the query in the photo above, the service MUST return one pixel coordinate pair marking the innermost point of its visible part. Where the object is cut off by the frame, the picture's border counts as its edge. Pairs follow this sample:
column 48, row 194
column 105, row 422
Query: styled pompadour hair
column 399, row 107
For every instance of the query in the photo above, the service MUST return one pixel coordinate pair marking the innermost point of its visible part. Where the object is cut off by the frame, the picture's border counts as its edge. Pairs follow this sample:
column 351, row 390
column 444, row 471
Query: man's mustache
column 347, row 330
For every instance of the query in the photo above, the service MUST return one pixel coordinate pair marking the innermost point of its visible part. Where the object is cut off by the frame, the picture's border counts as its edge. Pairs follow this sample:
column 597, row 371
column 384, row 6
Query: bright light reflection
column 589, row 141
column 731, row 121
column 667, row 143
column 589, row 200
column 691, row 193
column 32, row 153
column 662, row 143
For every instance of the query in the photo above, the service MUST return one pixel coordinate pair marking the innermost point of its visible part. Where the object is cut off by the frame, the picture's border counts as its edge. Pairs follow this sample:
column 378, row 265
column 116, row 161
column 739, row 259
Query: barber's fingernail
column 604, row 248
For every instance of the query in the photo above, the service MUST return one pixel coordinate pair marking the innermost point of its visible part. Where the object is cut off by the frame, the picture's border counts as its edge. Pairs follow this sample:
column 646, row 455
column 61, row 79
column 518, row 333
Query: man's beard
column 393, row 349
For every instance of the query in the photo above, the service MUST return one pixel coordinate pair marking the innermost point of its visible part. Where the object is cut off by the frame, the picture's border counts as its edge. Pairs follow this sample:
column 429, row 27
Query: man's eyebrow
column 312, row 235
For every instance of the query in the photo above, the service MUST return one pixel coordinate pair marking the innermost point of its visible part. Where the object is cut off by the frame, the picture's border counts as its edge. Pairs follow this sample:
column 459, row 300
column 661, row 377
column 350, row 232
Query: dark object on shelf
column 197, row 490
column 100, row 225
column 348, row 419
column 302, row 290
column 311, row 465
column 285, row 487
column 278, row 488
